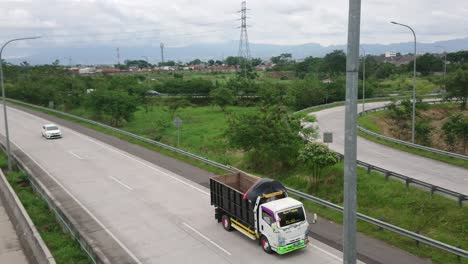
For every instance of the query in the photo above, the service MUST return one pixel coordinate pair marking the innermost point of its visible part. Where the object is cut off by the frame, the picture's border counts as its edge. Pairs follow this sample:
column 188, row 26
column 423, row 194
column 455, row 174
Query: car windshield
column 291, row 216
column 51, row 128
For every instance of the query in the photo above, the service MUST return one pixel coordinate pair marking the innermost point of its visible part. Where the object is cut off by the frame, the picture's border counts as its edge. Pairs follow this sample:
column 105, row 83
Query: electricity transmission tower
column 244, row 48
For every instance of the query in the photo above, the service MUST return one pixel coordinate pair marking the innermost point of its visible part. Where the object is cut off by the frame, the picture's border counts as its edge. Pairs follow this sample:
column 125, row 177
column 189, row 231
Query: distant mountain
column 107, row 54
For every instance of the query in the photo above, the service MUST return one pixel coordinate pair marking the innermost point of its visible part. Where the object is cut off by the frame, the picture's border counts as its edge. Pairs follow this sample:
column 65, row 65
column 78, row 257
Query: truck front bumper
column 291, row 247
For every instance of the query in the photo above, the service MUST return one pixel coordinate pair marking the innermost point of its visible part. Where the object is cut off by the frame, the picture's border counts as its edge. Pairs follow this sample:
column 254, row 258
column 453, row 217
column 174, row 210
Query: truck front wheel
column 265, row 245
column 226, row 223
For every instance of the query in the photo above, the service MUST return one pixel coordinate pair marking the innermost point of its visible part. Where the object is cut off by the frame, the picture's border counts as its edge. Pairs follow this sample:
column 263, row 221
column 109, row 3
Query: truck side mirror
column 314, row 220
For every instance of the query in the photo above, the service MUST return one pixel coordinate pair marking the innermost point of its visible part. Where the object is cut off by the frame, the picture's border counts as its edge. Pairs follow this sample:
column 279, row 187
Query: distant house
column 327, row 81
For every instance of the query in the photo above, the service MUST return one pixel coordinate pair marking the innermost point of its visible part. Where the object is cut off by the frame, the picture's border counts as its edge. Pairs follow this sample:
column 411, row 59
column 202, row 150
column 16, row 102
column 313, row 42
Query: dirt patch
column 436, row 116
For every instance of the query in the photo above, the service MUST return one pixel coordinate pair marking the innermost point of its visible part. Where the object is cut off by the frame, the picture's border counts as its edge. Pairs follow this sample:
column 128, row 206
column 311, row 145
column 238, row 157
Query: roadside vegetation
column 442, row 126
column 62, row 245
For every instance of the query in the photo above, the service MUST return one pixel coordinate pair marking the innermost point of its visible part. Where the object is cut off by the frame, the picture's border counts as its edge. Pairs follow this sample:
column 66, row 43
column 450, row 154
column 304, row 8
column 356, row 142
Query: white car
column 51, row 131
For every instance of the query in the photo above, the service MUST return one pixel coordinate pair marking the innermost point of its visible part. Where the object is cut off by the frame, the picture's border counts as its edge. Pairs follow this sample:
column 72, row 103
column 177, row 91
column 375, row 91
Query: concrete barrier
column 34, row 247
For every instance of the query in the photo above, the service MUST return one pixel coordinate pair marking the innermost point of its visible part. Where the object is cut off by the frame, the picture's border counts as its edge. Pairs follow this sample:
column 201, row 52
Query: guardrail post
column 369, row 169
column 458, row 257
column 433, row 189
column 408, row 181
column 417, row 241
column 387, row 175
column 461, row 197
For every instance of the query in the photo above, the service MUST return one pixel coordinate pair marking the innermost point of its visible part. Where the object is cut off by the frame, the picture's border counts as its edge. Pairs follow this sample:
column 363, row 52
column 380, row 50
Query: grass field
column 62, row 246
column 202, row 131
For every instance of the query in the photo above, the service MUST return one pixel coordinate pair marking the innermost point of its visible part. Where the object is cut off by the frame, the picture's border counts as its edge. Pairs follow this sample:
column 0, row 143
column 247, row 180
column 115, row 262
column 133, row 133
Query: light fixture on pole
column 7, row 136
column 414, row 82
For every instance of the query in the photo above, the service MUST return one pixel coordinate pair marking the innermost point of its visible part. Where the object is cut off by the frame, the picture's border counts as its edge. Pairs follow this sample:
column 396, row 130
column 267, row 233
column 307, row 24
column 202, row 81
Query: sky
column 186, row 22
column 179, row 23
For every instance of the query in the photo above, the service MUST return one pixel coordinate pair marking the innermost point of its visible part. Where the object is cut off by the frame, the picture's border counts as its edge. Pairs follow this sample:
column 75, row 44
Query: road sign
column 327, row 137
column 177, row 122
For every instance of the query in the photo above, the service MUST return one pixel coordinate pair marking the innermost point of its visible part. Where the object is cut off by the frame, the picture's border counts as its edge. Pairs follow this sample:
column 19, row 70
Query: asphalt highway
column 154, row 214
column 435, row 172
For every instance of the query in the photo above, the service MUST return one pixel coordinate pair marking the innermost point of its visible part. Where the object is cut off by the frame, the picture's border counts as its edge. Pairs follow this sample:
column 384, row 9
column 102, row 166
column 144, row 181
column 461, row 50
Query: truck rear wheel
column 226, row 223
column 265, row 245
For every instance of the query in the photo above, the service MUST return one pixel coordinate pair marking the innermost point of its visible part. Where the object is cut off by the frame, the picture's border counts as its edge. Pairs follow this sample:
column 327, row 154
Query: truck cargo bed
column 227, row 193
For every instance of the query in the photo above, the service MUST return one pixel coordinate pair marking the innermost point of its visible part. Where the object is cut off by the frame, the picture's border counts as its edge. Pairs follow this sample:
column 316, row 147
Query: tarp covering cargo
column 263, row 186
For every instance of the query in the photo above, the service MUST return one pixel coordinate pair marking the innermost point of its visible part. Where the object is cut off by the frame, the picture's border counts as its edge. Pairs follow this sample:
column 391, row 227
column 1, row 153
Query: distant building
column 389, row 54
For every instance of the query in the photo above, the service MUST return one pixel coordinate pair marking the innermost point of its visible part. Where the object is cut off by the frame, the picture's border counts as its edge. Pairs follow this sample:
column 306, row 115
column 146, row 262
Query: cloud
column 184, row 22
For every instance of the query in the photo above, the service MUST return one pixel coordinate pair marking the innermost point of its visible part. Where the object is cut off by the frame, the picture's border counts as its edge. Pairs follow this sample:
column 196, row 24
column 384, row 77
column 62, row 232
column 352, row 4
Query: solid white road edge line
column 121, row 183
column 82, row 206
column 207, row 239
column 326, row 252
column 75, row 155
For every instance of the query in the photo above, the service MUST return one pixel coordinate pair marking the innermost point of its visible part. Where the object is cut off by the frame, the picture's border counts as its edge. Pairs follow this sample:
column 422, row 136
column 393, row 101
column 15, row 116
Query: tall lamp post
column 445, row 65
column 363, row 78
column 414, row 82
column 3, row 98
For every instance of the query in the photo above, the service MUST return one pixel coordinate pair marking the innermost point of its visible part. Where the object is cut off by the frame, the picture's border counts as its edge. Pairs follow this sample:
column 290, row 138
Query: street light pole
column 7, row 135
column 445, row 65
column 350, row 147
column 414, row 82
column 363, row 78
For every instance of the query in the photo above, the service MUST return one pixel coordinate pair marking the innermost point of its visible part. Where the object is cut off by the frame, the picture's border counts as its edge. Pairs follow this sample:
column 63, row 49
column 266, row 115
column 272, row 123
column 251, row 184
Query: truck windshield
column 291, row 216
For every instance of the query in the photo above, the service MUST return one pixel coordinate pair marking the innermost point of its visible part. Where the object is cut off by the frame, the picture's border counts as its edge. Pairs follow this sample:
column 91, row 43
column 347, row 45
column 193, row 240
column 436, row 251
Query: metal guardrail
column 408, row 144
column 412, row 235
column 408, row 181
column 359, row 101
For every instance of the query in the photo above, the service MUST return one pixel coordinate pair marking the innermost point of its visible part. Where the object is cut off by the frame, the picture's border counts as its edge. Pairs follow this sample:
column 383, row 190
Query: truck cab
column 283, row 226
column 260, row 209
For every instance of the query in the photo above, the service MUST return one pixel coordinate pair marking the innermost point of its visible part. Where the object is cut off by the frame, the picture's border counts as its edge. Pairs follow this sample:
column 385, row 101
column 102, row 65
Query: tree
column 456, row 127
column 256, row 61
column 232, row 61
column 427, row 63
column 118, row 105
column 195, row 62
column 457, row 87
column 211, row 62
column 176, row 105
column 423, row 133
column 222, row 97
column 316, row 157
column 269, row 135
column 307, row 93
column 334, row 62
column 282, row 58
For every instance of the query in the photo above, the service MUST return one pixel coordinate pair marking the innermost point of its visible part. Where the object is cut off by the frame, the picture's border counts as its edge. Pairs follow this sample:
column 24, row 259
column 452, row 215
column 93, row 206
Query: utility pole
column 118, row 56
column 244, row 47
column 350, row 148
column 162, row 53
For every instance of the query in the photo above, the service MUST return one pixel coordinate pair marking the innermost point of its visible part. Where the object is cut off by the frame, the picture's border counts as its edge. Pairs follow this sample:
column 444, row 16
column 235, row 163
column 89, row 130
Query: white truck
column 260, row 209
